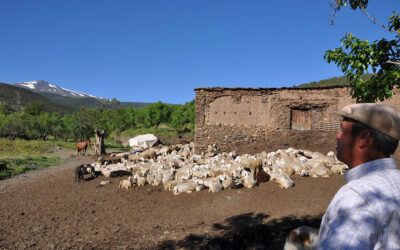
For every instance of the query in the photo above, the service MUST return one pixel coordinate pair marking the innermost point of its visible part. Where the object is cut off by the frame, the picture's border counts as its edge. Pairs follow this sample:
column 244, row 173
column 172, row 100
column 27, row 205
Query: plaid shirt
column 365, row 213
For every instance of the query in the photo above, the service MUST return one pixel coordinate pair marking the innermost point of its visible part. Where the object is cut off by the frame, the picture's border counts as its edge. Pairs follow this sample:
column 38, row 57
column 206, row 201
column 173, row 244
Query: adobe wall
column 238, row 116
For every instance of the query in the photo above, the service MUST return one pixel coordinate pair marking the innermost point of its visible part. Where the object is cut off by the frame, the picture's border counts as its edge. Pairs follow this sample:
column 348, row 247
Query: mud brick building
column 232, row 116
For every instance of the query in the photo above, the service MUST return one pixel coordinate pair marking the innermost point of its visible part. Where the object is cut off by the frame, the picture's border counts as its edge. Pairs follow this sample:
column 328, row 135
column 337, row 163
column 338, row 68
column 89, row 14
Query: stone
column 144, row 141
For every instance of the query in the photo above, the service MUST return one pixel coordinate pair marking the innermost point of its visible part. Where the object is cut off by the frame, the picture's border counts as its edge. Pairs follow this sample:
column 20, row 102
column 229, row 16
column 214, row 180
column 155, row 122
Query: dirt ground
column 47, row 209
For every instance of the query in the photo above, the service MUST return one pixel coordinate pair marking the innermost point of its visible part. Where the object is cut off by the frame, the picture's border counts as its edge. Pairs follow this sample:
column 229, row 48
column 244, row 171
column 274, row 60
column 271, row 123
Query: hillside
column 134, row 104
column 18, row 98
column 73, row 102
column 334, row 81
column 88, row 102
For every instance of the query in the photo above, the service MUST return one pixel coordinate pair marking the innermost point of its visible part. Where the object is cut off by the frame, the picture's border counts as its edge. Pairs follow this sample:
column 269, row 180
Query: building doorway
column 300, row 119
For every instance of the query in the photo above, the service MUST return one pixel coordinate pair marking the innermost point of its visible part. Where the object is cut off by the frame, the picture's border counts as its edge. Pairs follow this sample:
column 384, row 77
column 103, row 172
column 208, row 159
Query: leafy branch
column 356, row 57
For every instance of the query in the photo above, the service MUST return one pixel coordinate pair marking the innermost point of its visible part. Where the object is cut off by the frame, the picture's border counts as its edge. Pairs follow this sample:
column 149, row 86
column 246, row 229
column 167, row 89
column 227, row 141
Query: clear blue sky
column 150, row 50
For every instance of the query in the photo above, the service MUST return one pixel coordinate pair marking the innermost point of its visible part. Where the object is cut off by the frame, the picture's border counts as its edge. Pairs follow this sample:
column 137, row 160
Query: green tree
column 190, row 113
column 140, row 118
column 30, row 124
column 35, row 108
column 59, row 129
column 3, row 118
column 177, row 117
column 157, row 113
column 15, row 125
column 121, row 119
column 356, row 57
column 43, row 125
column 183, row 115
column 98, row 119
column 77, row 127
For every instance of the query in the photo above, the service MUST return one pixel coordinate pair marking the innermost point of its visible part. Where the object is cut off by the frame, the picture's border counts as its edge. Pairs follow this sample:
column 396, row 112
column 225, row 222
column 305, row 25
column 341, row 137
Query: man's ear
column 364, row 138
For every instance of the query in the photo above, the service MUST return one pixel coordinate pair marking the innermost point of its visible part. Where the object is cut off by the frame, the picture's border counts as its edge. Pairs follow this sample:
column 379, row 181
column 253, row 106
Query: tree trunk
column 99, row 143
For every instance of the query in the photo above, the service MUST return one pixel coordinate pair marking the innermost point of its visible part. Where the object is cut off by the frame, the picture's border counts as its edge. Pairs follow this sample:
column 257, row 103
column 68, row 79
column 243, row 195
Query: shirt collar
column 368, row 167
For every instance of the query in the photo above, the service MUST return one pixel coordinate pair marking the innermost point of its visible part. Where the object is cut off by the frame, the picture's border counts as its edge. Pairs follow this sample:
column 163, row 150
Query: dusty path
column 69, row 157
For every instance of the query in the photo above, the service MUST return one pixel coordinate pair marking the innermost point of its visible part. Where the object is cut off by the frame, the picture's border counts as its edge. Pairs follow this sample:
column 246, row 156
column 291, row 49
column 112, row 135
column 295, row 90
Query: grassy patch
column 31, row 146
column 111, row 144
column 22, row 163
column 22, row 155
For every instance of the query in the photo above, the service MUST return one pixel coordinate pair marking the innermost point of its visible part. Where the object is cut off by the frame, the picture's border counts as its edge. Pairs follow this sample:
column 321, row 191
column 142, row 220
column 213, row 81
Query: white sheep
column 158, row 177
column 150, row 178
column 215, row 186
column 282, row 178
column 248, row 180
column 126, row 183
column 225, row 169
column 331, row 154
column 169, row 186
column 141, row 180
column 339, row 168
column 226, row 181
column 304, row 173
column 200, row 187
column 232, row 155
column 303, row 159
column 319, row 170
column 302, row 238
column 168, row 175
column 288, row 169
column 187, row 187
column 298, row 167
column 165, row 151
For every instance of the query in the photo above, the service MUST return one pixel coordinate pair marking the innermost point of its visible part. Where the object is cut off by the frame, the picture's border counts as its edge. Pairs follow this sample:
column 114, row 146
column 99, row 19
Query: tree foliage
column 183, row 115
column 34, row 123
column 157, row 113
column 35, row 108
column 356, row 57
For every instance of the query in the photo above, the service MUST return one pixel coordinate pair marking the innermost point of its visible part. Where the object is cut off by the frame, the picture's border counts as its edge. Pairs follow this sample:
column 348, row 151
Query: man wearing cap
column 365, row 213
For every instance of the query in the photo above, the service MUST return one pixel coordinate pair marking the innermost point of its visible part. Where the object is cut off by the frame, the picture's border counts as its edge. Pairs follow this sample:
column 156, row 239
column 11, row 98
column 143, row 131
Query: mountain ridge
column 18, row 98
column 47, row 87
column 70, row 98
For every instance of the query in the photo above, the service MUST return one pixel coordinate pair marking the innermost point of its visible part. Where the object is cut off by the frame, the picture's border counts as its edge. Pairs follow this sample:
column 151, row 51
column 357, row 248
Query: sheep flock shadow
column 245, row 231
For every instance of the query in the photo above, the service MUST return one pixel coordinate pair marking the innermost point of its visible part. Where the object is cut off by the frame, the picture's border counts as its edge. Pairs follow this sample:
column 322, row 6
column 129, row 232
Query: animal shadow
column 245, row 231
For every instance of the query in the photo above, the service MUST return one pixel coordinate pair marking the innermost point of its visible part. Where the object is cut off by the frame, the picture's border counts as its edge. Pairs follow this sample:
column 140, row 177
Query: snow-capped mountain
column 46, row 87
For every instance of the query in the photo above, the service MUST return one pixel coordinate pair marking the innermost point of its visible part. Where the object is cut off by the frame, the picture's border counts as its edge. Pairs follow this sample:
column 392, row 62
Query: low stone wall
column 227, row 136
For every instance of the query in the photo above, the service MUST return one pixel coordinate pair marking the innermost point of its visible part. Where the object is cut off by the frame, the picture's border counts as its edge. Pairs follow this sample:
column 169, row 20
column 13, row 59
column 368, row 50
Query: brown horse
column 82, row 146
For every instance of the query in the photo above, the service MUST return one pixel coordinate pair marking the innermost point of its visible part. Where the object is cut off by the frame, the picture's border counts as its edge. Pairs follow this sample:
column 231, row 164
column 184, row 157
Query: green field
column 22, row 155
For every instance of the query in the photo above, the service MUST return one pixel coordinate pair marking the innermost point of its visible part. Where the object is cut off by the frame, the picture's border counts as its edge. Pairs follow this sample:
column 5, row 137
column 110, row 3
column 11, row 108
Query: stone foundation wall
column 227, row 136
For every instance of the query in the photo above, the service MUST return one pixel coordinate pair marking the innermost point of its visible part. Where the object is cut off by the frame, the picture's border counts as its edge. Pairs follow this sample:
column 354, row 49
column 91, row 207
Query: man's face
column 345, row 143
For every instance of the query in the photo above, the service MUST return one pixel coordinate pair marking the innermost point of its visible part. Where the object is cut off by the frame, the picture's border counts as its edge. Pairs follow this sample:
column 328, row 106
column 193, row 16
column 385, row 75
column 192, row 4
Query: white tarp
column 144, row 141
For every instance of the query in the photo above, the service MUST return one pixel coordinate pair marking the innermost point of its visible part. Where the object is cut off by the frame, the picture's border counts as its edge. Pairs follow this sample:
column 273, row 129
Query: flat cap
column 382, row 117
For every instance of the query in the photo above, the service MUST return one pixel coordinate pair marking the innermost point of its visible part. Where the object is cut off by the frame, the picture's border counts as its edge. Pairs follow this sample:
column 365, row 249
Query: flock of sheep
column 180, row 170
